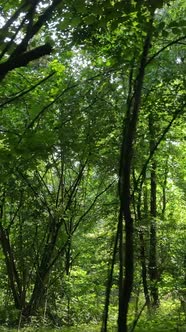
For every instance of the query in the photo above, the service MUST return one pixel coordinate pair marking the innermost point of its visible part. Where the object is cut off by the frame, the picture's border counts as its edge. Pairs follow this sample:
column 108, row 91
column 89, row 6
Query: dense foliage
column 92, row 171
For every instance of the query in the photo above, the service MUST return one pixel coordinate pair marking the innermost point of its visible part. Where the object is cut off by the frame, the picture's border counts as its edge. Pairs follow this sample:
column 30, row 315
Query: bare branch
column 27, row 91
column 91, row 206
column 143, row 171
column 164, row 48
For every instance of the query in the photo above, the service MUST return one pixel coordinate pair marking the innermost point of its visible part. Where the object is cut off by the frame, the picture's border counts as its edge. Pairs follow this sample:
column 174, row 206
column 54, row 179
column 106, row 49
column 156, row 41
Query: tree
column 25, row 23
column 100, row 110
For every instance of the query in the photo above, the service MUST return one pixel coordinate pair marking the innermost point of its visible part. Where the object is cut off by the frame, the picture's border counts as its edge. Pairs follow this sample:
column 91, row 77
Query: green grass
column 82, row 328
column 168, row 318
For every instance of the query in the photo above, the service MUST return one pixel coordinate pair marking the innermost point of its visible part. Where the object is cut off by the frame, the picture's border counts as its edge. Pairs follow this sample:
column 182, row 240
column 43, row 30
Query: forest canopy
column 92, row 165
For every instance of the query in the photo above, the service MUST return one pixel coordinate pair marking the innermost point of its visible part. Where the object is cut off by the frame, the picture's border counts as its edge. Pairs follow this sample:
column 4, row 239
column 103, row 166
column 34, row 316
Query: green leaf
column 90, row 19
column 75, row 21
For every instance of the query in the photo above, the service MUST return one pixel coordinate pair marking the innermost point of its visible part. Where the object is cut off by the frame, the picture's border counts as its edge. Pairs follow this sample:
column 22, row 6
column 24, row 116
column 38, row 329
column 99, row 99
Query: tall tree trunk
column 109, row 286
column 153, row 269
column 164, row 185
column 125, row 216
column 144, row 271
column 13, row 275
column 43, row 270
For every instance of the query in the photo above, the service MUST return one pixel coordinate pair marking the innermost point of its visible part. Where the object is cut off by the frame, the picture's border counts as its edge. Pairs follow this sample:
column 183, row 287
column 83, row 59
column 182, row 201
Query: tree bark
column 20, row 56
column 125, row 217
column 40, row 284
column 13, row 275
column 153, row 269
column 23, row 59
column 143, row 258
column 109, row 286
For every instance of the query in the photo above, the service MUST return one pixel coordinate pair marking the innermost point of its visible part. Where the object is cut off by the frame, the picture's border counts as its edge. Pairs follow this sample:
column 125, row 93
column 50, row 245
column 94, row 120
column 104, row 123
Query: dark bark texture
column 125, row 217
column 30, row 22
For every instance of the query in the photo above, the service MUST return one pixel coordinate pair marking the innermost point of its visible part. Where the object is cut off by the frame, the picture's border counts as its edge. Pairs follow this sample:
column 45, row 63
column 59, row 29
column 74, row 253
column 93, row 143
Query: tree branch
column 164, row 48
column 23, row 59
column 27, row 91
column 143, row 171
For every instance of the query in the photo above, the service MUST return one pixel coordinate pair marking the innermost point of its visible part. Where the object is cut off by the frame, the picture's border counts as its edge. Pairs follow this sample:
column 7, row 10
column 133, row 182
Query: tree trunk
column 109, row 286
column 13, row 275
column 40, row 284
column 153, row 269
column 144, row 272
column 125, row 217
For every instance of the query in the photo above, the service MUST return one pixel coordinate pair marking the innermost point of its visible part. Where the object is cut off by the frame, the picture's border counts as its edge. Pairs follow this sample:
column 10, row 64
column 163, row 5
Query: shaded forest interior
column 92, row 165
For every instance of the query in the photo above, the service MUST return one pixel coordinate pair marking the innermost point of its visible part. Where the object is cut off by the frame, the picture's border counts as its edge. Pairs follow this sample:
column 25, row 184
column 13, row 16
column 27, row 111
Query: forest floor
column 168, row 318
column 148, row 326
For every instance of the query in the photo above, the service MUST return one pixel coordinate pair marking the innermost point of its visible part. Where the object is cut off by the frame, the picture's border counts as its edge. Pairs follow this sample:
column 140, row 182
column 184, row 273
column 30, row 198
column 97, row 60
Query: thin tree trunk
column 153, row 269
column 129, row 131
column 40, row 284
column 15, row 283
column 109, row 286
column 164, row 201
column 13, row 276
column 144, row 272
